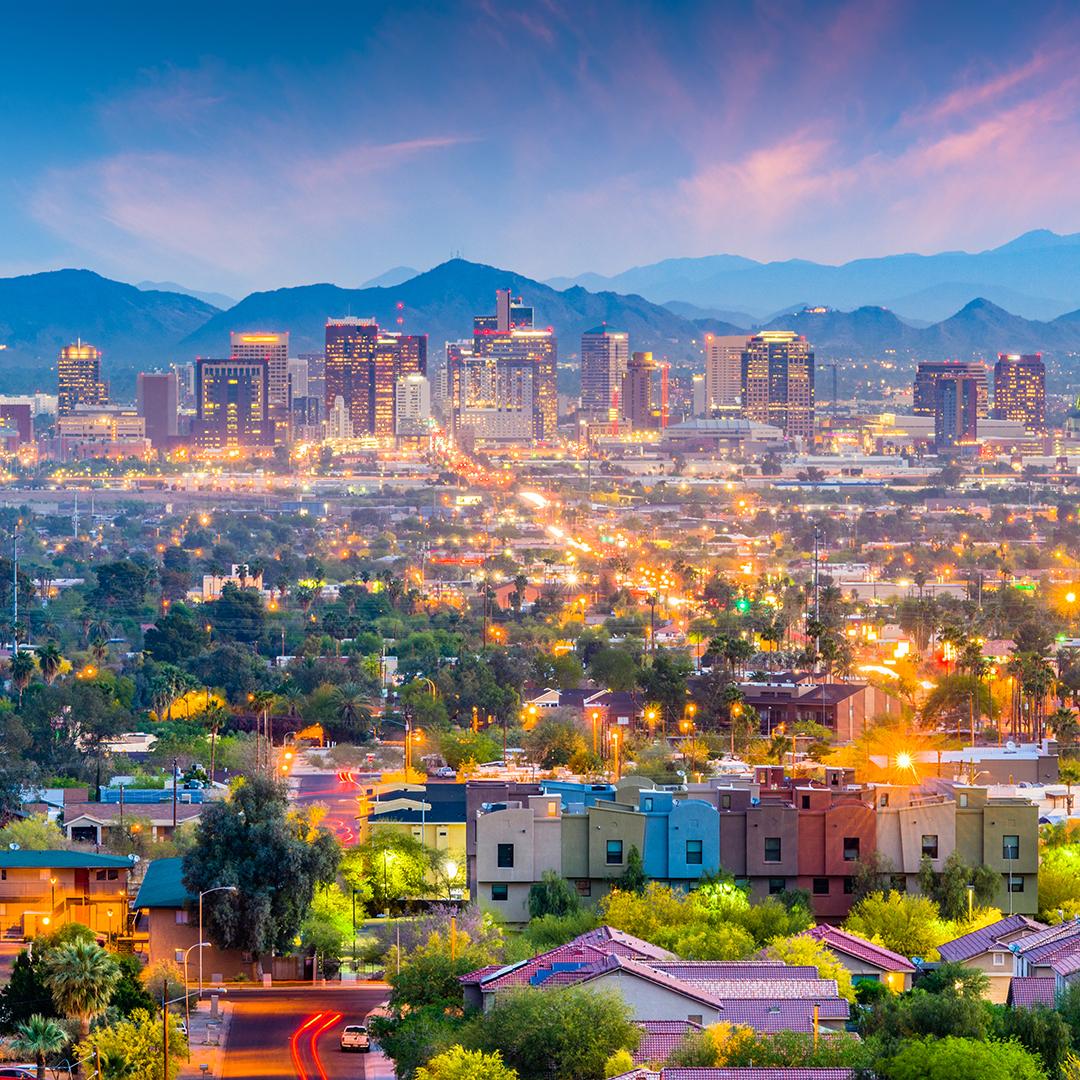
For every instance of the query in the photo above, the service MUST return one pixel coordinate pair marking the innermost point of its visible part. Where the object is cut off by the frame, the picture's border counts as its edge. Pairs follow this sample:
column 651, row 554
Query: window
column 693, row 853
column 648, row 805
column 695, row 1018
column 899, row 882
column 849, row 886
column 772, row 849
column 505, row 856
column 884, row 800
column 962, row 800
column 725, row 802
column 183, row 917
column 1010, row 848
column 499, row 890
column 930, row 846
column 777, row 885
column 999, row 959
column 614, row 852
column 583, row 886
column 851, row 849
column 1016, row 883
column 806, row 802
column 821, row 886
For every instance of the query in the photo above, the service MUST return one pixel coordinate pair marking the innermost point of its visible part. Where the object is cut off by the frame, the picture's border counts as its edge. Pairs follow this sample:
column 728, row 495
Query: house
column 42, row 890
column 737, row 1074
column 866, row 961
column 94, row 823
column 988, row 950
column 1032, row 991
column 1053, row 953
column 767, row 996
column 167, row 917
column 432, row 813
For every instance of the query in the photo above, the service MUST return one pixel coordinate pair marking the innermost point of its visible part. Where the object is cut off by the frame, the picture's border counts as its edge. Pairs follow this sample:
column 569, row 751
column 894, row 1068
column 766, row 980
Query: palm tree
column 50, row 661
column 81, row 977
column 22, row 668
column 214, row 718
column 39, row 1038
column 351, row 706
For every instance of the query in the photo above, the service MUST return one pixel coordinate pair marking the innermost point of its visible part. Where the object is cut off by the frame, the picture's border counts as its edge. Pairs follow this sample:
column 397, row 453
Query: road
column 338, row 793
column 293, row 1032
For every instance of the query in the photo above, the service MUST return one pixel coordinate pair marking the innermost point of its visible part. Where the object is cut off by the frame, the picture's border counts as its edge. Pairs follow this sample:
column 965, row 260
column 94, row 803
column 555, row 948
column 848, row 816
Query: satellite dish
column 134, row 859
column 14, row 847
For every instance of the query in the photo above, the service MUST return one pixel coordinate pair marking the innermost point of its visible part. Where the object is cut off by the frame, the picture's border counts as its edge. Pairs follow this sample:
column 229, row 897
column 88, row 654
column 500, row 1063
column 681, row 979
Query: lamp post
column 206, row 892
column 200, row 945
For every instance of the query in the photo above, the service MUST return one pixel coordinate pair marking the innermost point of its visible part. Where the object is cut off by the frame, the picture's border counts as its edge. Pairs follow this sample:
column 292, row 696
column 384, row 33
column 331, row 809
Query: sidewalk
column 377, row 1066
column 207, row 1038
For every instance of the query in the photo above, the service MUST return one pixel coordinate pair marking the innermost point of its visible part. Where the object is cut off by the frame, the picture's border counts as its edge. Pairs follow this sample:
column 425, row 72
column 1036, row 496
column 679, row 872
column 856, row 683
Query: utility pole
column 15, row 594
column 173, row 795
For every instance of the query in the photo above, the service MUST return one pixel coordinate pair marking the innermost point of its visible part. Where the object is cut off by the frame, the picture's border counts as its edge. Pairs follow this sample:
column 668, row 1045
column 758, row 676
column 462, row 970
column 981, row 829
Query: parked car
column 354, row 1037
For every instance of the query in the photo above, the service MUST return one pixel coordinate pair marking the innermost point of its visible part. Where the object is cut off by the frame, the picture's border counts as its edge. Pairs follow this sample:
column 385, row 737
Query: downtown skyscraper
column 78, row 378
column 502, row 385
column 363, row 366
column 274, row 349
column 605, row 356
column 1020, row 390
column 778, row 382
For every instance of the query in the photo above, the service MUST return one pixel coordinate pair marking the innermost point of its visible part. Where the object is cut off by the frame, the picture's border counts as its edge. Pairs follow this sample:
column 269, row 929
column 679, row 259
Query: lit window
column 693, row 853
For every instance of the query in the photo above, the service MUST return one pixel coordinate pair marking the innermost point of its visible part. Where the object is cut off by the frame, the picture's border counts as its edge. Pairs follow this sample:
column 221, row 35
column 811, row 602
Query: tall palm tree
column 50, row 661
column 351, row 706
column 81, row 977
column 22, row 668
column 39, row 1038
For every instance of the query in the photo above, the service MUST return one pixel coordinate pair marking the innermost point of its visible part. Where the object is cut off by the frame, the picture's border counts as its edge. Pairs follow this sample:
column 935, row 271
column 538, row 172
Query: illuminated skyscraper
column 778, row 382
column 644, row 393
column 78, row 378
column 723, row 372
column 412, row 406
column 929, row 372
column 1020, row 390
column 274, row 349
column 233, row 404
column 363, row 365
column 605, row 356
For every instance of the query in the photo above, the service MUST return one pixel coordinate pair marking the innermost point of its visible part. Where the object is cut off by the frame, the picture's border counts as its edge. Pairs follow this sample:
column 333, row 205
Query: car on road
column 354, row 1037
column 19, row 1072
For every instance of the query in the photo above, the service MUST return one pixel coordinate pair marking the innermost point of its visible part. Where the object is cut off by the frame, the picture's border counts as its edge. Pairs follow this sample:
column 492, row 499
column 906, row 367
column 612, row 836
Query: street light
column 207, row 892
column 451, row 868
column 200, row 945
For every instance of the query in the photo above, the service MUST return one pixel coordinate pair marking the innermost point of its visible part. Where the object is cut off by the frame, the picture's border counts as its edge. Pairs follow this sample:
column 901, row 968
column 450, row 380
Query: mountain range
column 1037, row 275
column 141, row 329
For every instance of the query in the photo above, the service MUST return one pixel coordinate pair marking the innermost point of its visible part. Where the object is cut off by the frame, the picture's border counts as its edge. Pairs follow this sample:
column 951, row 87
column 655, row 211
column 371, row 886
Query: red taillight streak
column 294, row 1044
column 334, row 1018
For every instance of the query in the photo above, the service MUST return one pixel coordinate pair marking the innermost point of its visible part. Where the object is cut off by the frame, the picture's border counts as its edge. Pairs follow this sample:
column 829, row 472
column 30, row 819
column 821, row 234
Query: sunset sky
column 243, row 146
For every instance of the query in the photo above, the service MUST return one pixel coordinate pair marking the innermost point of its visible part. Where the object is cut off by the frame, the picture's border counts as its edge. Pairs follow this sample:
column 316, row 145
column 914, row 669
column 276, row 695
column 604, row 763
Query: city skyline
column 767, row 133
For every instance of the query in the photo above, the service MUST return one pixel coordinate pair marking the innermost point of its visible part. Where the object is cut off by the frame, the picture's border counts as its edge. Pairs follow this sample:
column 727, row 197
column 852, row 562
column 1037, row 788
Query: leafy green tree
column 237, row 615
column 633, row 878
column 25, row 992
column 664, row 682
column 954, row 979
column 961, row 1059
column 50, row 661
column 391, row 867
column 253, row 842
column 569, row 1033
column 131, row 1048
column 429, row 972
column 38, row 1038
column 458, row 747
column 1041, row 1031
column 809, row 952
column 948, row 888
column 458, row 1063
column 130, row 993
column 552, row 895
column 33, row 833
column 554, row 741
column 176, row 636
column 615, row 669
column 81, row 977
column 550, row 931
column 908, row 924
column 121, row 586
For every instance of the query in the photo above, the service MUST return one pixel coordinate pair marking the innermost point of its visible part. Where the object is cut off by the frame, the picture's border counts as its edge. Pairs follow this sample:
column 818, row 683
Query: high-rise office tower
column 274, row 349
column 185, row 384
column 1020, row 390
column 158, row 399
column 501, row 387
column 778, row 382
column 363, row 365
column 412, row 406
column 723, row 372
column 929, row 372
column 642, row 392
column 298, row 377
column 338, row 422
column 956, row 411
column 605, row 356
column 233, row 403
column 78, row 378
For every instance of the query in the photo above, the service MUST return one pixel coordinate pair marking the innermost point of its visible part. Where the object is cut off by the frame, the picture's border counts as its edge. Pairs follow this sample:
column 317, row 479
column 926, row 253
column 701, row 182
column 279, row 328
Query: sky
column 240, row 147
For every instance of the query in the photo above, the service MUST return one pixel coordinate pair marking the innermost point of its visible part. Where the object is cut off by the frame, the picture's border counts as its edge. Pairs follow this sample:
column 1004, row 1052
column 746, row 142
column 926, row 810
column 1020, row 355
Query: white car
column 355, row 1037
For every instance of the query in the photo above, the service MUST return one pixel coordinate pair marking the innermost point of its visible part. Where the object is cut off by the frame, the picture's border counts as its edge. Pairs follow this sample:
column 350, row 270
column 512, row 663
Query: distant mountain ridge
column 1036, row 275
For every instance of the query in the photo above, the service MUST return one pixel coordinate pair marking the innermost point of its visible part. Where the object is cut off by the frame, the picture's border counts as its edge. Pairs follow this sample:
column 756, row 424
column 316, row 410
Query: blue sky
column 246, row 146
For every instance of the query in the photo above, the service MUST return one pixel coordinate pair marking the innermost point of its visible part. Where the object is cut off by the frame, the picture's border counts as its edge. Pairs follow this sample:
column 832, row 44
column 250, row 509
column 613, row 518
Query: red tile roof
column 660, row 1037
column 738, row 1074
column 979, row 941
column 735, row 969
column 852, row 945
column 1029, row 991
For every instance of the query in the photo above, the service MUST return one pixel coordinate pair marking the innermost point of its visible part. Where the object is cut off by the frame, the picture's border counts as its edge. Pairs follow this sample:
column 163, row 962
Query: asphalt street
column 293, row 1032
